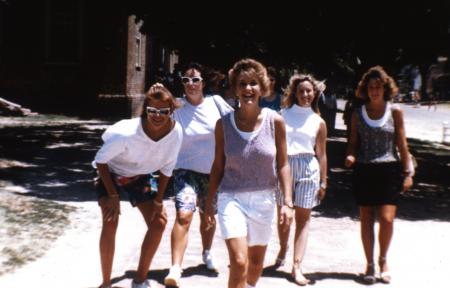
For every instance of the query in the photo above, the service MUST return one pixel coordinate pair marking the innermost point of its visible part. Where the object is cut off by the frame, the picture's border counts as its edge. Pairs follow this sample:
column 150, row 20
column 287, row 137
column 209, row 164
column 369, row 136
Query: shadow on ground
column 272, row 272
column 159, row 275
column 54, row 162
column 428, row 199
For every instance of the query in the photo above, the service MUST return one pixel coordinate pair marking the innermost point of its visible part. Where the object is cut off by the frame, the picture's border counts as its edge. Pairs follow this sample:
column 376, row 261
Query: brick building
column 76, row 56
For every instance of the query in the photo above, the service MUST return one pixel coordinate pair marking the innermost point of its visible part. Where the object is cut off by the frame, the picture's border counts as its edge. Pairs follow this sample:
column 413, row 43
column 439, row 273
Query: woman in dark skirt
column 378, row 151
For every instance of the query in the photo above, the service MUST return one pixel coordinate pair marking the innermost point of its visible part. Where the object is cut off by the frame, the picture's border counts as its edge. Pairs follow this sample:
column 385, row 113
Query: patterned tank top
column 376, row 137
column 249, row 164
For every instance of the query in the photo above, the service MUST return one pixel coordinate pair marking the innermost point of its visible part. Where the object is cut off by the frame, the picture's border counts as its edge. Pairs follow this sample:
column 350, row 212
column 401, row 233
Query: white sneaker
column 144, row 284
column 173, row 278
column 208, row 260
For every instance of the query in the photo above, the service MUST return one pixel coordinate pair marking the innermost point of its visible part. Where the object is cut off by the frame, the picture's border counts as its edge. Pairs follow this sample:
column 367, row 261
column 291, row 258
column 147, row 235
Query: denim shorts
column 139, row 189
column 191, row 189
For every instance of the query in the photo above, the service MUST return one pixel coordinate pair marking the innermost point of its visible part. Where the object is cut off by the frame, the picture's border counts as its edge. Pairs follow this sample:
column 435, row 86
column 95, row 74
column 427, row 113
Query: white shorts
column 247, row 214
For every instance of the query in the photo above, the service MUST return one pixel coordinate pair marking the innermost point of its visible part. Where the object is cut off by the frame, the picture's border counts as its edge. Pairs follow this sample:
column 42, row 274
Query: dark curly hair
column 377, row 72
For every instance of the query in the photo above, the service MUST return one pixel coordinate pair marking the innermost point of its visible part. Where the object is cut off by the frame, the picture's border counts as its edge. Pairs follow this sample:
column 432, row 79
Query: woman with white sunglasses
column 133, row 149
column 198, row 118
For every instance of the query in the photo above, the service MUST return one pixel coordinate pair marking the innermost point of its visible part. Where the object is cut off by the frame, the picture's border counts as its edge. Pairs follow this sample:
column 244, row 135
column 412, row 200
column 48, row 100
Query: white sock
column 250, row 286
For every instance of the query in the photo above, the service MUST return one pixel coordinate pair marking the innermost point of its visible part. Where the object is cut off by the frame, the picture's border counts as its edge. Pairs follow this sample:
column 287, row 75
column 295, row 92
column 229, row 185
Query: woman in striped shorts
column 306, row 134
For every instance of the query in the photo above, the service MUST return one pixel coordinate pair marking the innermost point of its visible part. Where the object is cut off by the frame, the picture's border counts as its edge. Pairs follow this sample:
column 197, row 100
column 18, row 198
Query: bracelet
column 157, row 203
column 115, row 195
column 289, row 205
column 406, row 173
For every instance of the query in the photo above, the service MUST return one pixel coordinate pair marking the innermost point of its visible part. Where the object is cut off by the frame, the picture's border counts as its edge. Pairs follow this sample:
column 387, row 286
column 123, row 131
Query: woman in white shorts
column 250, row 152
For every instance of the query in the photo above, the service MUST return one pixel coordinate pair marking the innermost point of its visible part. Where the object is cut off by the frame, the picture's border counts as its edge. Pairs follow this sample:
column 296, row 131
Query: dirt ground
column 50, row 221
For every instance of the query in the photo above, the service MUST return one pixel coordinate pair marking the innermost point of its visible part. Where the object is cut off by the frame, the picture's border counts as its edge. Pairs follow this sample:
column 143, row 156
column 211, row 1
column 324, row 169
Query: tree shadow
column 54, row 162
column 50, row 162
column 428, row 199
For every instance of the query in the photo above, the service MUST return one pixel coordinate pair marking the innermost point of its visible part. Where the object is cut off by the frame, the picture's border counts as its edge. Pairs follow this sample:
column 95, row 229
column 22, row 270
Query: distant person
column 306, row 134
column 215, row 83
column 380, row 174
column 416, row 79
column 273, row 98
column 250, row 153
column 435, row 71
column 198, row 118
column 176, row 77
column 228, row 93
column 133, row 149
column 328, row 108
column 351, row 104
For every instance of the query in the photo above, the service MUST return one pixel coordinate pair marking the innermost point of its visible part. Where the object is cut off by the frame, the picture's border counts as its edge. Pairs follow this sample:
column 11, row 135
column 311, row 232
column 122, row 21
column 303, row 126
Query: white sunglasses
column 188, row 80
column 153, row 111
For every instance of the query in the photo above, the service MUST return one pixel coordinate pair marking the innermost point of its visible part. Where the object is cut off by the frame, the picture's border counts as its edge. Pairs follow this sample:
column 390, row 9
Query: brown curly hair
column 377, row 72
column 251, row 67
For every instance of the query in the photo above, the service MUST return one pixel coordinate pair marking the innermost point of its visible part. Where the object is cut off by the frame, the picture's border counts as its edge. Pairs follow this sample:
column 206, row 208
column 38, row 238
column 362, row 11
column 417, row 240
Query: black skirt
column 377, row 184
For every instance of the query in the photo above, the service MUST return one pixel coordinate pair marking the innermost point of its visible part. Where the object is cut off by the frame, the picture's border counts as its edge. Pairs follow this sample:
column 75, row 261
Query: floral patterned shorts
column 191, row 189
column 140, row 188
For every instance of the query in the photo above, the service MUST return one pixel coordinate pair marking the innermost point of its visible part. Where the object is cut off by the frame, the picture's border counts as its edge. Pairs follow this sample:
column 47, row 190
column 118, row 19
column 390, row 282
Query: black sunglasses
column 188, row 80
column 152, row 111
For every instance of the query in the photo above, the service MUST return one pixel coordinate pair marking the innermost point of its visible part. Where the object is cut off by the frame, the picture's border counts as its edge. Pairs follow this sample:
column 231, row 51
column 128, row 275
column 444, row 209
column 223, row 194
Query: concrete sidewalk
column 419, row 254
column 334, row 257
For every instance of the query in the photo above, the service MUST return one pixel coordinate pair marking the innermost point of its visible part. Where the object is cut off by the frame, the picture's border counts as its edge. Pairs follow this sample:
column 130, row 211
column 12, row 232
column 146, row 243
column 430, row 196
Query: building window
column 63, row 32
column 138, row 63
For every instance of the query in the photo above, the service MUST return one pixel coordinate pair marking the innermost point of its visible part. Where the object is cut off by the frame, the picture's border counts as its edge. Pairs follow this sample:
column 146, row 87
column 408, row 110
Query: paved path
column 421, row 122
column 419, row 255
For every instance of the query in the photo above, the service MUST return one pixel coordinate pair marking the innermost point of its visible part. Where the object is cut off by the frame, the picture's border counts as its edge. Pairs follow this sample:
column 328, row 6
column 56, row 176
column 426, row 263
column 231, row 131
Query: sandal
column 369, row 276
column 298, row 276
column 385, row 276
column 279, row 262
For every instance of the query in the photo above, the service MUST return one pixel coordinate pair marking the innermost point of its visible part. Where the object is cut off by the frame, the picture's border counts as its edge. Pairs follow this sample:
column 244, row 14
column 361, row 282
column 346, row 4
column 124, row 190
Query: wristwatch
column 323, row 185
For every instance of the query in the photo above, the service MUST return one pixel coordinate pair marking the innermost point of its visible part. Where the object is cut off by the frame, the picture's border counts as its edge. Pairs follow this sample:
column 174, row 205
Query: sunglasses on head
column 153, row 111
column 187, row 80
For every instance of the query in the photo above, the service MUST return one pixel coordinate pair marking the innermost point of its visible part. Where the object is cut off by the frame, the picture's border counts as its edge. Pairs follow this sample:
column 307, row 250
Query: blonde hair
column 289, row 95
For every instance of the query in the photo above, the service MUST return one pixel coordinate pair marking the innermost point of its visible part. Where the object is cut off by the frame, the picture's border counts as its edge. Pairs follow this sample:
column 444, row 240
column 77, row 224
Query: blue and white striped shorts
column 306, row 181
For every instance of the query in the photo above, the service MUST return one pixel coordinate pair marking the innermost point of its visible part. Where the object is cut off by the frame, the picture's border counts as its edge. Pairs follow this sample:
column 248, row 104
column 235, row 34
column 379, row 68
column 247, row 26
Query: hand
column 110, row 206
column 209, row 214
column 407, row 183
column 157, row 84
column 286, row 216
column 349, row 161
column 322, row 193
